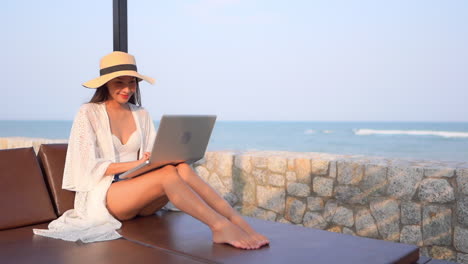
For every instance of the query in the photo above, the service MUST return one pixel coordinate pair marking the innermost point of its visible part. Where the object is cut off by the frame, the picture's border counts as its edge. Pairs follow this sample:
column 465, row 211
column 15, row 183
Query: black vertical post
column 120, row 25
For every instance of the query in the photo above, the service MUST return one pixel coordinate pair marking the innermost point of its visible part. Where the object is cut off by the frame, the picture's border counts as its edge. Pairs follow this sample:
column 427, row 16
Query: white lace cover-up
column 90, row 151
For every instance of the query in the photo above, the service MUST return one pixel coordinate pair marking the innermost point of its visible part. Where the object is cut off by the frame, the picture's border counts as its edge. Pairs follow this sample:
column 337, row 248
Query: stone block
column 238, row 208
column 291, row 162
column 216, row 183
column 334, row 229
column 323, row 186
column 231, row 198
column 271, row 198
column 349, row 172
column 410, row 213
column 259, row 162
column 350, row 194
column 210, row 160
column 460, row 239
column 4, row 143
column 411, row 234
column 439, row 172
column 436, row 191
column 462, row 210
column 365, row 224
column 437, row 225
column 443, row 253
column 319, row 167
column 242, row 162
column 462, row 258
column 294, row 210
column 387, row 215
column 277, row 164
column 332, row 170
column 276, row 180
column 228, row 183
column 244, row 187
column 283, row 220
column 314, row 203
column 343, row 216
column 329, row 210
column 265, row 215
column 424, row 251
column 256, row 212
column 374, row 181
column 462, row 181
column 291, row 176
column 224, row 162
column 302, row 169
column 314, row 220
column 403, row 181
column 348, row 231
column 260, row 176
column 298, row 189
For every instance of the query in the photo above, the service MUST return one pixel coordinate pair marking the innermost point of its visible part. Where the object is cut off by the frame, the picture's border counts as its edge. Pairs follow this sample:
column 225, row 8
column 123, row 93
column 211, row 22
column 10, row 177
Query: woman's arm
column 120, row 167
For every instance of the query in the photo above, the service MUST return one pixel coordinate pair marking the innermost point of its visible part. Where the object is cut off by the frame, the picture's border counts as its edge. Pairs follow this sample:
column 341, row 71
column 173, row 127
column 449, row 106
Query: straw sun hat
column 114, row 65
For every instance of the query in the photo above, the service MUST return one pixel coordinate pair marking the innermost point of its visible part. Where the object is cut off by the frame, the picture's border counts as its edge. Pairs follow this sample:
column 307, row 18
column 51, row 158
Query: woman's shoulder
column 88, row 108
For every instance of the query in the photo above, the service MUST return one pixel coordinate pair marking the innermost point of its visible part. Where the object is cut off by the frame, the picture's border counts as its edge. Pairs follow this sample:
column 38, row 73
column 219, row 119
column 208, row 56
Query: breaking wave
column 445, row 134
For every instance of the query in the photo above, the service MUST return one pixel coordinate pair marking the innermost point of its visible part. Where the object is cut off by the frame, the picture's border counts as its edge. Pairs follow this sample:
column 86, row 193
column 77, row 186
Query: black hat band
column 116, row 68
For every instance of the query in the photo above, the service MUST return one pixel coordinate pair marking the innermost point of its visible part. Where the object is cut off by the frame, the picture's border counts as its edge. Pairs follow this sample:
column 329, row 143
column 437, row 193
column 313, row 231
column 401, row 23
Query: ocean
column 416, row 140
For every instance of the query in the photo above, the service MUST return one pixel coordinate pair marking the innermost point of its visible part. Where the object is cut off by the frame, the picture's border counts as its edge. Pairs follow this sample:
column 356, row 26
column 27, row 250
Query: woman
column 112, row 134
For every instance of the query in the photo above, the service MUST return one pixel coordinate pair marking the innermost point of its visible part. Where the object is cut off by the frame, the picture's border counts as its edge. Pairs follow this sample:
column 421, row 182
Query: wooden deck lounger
column 20, row 245
column 28, row 200
column 179, row 232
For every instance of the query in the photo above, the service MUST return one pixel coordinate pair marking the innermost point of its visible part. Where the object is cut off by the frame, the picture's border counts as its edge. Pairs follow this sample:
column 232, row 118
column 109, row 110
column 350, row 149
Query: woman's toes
column 249, row 245
column 253, row 245
column 239, row 244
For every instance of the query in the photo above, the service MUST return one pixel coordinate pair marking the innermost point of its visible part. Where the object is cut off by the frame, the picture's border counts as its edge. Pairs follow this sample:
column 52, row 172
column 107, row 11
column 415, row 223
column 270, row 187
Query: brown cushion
column 52, row 159
column 24, row 197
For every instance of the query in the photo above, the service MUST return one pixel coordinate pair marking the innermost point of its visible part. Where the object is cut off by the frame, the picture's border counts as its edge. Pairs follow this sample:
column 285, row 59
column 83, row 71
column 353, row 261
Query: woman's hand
column 146, row 156
column 120, row 167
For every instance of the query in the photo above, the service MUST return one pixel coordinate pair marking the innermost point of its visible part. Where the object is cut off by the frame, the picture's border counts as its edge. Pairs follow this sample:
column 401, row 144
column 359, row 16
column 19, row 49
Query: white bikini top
column 129, row 150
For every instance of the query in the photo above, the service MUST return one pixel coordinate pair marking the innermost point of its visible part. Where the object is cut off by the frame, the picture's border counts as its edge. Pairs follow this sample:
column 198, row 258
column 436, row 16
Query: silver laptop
column 180, row 138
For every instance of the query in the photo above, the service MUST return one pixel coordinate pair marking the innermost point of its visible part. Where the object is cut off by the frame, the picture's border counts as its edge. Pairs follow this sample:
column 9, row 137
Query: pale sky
column 329, row 60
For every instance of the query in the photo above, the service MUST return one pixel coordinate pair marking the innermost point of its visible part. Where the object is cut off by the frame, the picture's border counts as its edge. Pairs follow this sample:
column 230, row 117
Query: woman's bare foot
column 259, row 238
column 227, row 232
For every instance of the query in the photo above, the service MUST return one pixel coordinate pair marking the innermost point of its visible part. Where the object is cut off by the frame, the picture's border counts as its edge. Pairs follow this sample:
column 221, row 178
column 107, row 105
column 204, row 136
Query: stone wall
column 424, row 203
column 23, row 142
column 415, row 202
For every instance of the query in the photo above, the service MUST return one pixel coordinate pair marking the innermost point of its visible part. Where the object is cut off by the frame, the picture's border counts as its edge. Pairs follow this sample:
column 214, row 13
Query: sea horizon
column 424, row 140
column 267, row 120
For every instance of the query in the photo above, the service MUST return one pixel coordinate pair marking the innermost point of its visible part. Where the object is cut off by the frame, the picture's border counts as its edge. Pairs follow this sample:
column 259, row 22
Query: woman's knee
column 181, row 167
column 185, row 171
column 169, row 173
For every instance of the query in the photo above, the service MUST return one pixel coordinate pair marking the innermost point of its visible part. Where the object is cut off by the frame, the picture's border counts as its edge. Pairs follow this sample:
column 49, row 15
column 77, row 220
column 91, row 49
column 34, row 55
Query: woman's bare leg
column 126, row 198
column 213, row 199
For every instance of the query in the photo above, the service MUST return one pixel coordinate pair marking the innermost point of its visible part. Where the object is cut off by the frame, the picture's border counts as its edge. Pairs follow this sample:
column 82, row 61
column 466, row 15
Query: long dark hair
column 102, row 95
